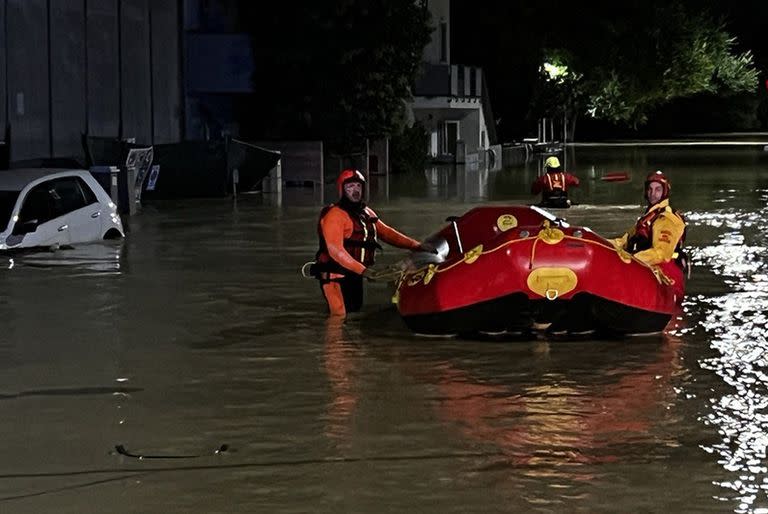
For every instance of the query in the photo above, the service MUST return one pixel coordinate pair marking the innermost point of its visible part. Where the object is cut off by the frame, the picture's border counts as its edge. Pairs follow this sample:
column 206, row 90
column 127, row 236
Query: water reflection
column 551, row 426
column 737, row 323
column 208, row 316
column 341, row 363
column 101, row 257
column 445, row 182
column 541, row 412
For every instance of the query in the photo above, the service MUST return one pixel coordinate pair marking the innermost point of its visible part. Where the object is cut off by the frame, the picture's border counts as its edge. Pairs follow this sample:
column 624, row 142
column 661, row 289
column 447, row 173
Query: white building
column 451, row 100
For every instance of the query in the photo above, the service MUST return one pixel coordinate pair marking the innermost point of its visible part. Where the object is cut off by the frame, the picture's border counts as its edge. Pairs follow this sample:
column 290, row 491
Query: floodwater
column 197, row 331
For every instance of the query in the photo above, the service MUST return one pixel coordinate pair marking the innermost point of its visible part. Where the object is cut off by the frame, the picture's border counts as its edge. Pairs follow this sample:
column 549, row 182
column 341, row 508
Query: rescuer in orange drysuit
column 348, row 231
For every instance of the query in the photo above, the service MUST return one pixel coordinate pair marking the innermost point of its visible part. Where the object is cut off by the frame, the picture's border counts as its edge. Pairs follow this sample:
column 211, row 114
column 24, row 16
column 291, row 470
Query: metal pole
column 367, row 168
column 552, row 129
column 565, row 128
column 386, row 168
column 322, row 173
column 386, row 156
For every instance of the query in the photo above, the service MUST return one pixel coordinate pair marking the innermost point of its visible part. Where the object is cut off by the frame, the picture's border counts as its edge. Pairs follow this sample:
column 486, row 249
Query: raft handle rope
column 306, row 268
column 445, row 267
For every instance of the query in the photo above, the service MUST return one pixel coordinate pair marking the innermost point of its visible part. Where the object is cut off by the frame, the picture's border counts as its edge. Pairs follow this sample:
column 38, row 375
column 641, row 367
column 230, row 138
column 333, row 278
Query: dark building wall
column 3, row 73
column 28, row 92
column 218, row 70
column 105, row 67
column 103, row 84
column 67, row 76
column 136, row 88
column 166, row 91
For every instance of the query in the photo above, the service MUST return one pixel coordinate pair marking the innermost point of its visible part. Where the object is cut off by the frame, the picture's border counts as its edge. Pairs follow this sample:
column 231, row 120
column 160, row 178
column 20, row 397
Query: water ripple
column 738, row 322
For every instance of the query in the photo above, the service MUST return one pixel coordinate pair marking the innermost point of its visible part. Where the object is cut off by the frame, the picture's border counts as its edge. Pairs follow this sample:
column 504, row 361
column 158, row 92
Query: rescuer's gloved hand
column 427, row 247
column 371, row 273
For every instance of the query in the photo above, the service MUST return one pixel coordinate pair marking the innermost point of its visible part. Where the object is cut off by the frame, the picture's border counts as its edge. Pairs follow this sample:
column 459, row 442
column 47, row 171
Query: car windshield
column 7, row 203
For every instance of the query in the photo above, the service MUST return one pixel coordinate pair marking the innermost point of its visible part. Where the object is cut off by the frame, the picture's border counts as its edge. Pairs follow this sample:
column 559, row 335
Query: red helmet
column 658, row 176
column 347, row 176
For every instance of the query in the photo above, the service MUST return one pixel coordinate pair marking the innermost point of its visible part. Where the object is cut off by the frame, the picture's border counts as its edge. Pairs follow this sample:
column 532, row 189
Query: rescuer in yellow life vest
column 659, row 234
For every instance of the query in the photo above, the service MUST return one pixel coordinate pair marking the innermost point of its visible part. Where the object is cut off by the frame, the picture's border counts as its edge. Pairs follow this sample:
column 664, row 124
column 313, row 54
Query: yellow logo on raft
column 552, row 282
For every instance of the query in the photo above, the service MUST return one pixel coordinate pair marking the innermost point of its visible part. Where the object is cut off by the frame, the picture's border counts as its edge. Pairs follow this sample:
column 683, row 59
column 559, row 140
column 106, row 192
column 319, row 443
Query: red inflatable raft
column 515, row 268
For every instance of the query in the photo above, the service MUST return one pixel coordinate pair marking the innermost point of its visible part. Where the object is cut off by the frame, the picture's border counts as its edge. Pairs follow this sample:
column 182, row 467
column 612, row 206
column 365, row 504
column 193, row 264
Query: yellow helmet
column 552, row 162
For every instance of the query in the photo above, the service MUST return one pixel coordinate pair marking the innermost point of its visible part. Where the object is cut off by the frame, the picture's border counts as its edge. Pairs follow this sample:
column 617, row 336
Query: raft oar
column 122, row 451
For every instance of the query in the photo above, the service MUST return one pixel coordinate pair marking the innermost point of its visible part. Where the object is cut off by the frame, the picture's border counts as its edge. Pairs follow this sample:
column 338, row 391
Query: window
column 70, row 194
column 52, row 199
column 36, row 209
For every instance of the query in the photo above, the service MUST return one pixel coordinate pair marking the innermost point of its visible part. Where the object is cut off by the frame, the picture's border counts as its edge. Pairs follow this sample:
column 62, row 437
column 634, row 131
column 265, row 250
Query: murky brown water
column 198, row 331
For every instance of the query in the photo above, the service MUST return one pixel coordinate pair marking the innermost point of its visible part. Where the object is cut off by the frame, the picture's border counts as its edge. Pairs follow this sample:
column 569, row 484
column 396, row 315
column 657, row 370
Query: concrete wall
column 470, row 130
column 106, row 67
column 441, row 14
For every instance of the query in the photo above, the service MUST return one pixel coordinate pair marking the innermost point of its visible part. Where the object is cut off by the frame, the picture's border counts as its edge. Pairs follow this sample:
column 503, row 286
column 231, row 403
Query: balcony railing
column 454, row 80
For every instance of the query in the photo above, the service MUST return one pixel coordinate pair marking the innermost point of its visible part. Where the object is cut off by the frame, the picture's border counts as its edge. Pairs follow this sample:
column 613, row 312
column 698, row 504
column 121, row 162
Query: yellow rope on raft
column 547, row 234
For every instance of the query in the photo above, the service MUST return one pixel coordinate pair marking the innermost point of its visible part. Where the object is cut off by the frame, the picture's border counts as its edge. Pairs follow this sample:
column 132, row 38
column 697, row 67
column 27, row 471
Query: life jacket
column 642, row 239
column 555, row 182
column 554, row 194
column 361, row 244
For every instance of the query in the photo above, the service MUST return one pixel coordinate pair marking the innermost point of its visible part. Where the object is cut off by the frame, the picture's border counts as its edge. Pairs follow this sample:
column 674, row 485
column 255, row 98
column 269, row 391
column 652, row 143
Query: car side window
column 90, row 196
column 36, row 208
column 52, row 199
column 69, row 195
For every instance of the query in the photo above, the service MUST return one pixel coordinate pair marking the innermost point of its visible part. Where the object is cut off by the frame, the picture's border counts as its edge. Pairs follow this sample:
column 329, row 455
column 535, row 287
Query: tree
column 561, row 92
column 337, row 71
column 629, row 62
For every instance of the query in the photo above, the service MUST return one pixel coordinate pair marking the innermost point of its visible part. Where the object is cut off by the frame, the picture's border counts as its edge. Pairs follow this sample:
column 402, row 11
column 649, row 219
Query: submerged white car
column 54, row 207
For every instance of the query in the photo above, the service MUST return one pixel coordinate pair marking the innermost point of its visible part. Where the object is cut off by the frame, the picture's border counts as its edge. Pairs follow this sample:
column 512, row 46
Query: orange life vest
column 361, row 244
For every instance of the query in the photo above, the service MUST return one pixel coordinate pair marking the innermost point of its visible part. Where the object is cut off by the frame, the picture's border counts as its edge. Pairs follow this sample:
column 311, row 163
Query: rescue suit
column 658, row 236
column 554, row 184
column 348, row 234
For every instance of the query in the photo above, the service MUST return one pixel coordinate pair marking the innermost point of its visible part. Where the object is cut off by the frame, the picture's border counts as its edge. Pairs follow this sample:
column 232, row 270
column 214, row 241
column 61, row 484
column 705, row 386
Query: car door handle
column 96, row 214
column 63, row 228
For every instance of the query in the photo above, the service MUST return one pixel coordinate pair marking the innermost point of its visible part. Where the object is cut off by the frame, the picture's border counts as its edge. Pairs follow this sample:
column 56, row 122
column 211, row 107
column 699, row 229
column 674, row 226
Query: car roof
column 17, row 179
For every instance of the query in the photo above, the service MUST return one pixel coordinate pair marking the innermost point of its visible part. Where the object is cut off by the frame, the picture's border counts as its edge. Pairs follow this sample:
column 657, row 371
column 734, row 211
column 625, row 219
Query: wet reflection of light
column 102, row 257
column 738, row 322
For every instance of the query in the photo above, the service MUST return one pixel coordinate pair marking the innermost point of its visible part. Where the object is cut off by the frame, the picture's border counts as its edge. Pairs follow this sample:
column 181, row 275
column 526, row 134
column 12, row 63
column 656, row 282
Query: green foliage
column 560, row 91
column 622, row 73
column 337, row 71
column 408, row 149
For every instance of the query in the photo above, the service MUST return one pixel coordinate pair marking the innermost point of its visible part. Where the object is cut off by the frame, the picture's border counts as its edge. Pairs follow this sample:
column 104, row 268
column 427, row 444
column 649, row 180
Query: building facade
column 450, row 100
column 160, row 71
